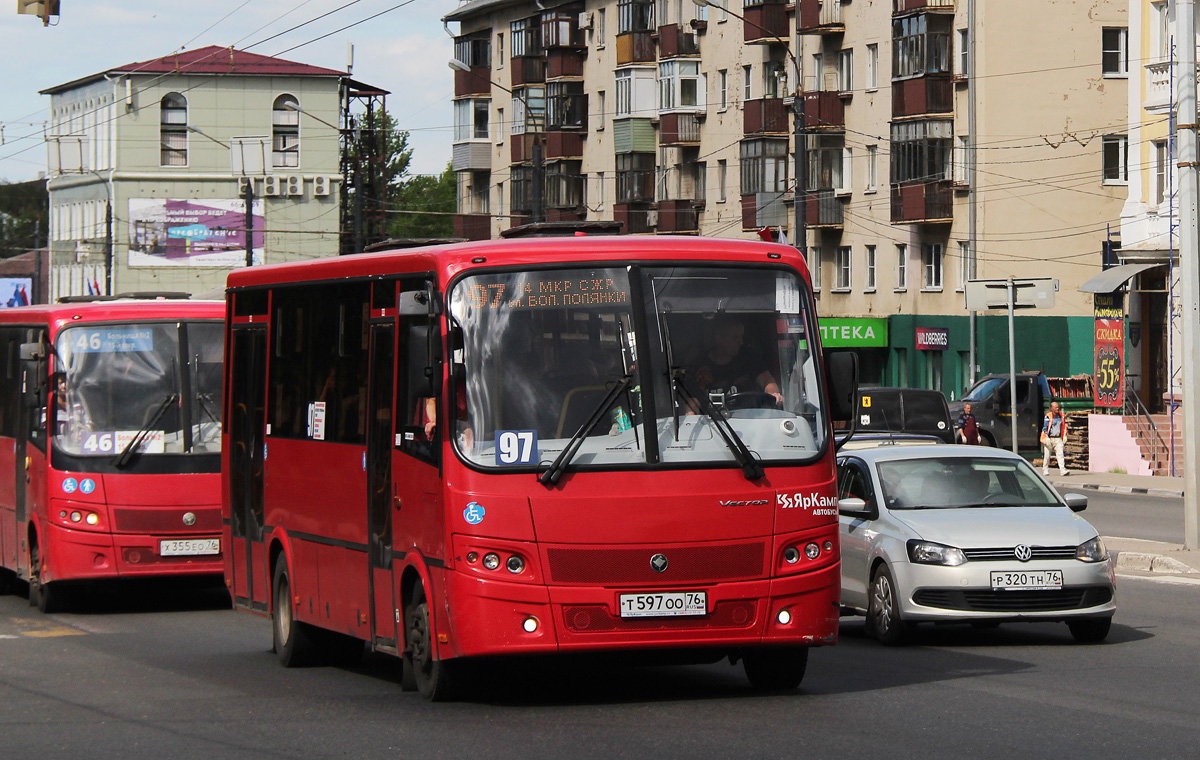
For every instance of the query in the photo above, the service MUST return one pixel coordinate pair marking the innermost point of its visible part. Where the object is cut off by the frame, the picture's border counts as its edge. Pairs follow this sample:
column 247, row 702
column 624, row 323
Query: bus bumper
column 83, row 555
column 502, row 618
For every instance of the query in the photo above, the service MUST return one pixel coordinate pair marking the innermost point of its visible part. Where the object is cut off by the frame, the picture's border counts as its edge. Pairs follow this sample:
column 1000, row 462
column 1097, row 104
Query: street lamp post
column 537, row 158
column 800, row 202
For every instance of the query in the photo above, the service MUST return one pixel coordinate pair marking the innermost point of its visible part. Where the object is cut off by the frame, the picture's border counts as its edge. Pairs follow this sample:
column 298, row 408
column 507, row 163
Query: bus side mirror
column 33, row 374
column 843, row 384
column 32, row 352
column 416, row 303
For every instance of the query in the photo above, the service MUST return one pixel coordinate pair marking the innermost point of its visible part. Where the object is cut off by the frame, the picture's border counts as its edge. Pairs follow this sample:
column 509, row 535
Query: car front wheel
column 883, row 610
column 1090, row 630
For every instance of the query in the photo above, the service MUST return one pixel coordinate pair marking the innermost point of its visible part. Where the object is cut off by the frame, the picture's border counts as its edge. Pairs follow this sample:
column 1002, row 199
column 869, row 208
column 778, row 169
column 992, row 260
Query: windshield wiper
column 122, row 459
column 751, row 467
column 550, row 476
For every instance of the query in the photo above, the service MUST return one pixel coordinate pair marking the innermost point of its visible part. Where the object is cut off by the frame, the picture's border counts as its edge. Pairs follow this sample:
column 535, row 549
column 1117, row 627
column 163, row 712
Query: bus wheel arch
column 424, row 670
column 45, row 595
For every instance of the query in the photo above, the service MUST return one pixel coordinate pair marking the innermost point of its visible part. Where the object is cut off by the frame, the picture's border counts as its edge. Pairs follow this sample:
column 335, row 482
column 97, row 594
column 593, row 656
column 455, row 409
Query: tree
column 424, row 207
column 22, row 216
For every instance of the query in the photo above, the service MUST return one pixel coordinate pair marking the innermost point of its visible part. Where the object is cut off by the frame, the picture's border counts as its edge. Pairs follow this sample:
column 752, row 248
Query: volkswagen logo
column 189, row 518
column 658, row 562
column 1023, row 552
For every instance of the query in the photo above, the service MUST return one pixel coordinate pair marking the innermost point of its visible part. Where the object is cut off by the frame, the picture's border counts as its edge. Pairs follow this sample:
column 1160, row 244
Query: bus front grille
column 686, row 564
column 166, row 520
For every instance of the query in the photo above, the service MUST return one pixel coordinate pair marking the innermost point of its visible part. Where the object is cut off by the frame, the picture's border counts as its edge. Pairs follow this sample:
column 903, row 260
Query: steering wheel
column 993, row 498
column 750, row 400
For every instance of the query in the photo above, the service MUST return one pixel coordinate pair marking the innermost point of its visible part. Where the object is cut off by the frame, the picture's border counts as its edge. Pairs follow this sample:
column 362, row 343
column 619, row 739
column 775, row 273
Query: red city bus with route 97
column 535, row 446
column 109, row 442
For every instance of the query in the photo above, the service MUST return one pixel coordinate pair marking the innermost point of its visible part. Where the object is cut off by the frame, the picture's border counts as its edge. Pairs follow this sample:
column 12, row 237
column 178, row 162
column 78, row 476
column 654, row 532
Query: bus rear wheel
column 292, row 640
column 434, row 678
column 775, row 669
column 46, row 596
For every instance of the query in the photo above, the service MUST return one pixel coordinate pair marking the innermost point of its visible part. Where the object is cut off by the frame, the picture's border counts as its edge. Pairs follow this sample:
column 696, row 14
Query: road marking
column 8, row 636
column 1174, row 580
column 47, row 633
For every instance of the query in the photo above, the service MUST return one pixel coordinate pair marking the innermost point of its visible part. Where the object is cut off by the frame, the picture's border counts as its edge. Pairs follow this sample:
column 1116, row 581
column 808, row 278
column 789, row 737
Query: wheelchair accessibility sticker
column 474, row 513
column 69, row 485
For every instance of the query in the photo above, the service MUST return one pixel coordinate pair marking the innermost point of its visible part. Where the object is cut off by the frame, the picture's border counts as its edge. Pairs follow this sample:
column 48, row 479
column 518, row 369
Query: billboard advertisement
column 166, row 232
column 14, row 291
column 1110, row 350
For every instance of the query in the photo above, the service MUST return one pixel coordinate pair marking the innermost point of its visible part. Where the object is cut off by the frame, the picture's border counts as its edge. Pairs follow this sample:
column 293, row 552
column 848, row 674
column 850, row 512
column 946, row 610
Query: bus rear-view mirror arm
column 843, row 390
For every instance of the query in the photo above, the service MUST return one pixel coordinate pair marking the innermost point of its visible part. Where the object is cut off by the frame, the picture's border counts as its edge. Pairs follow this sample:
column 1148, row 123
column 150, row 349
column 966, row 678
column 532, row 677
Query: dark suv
column 904, row 410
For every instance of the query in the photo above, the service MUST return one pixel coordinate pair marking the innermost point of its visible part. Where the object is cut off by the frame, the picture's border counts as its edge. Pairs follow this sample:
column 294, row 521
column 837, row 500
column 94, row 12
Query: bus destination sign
column 554, row 293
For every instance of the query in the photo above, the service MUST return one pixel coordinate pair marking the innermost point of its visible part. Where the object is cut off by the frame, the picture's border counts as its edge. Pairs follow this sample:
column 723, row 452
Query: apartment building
column 149, row 163
column 1149, row 260
column 678, row 116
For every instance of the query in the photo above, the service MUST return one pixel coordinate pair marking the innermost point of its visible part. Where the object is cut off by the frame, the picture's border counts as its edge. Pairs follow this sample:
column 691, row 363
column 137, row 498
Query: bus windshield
column 160, row 380
column 707, row 361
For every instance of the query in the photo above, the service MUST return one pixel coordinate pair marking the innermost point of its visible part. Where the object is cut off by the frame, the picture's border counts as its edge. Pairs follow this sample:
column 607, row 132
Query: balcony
column 824, row 209
column 679, row 129
column 678, row 216
column 764, row 210
column 918, row 6
column 564, row 62
column 473, row 226
column 764, row 115
column 528, row 69
column 521, row 146
column 635, row 217
column 767, row 22
column 471, row 155
column 929, row 94
column 923, row 202
column 564, row 145
column 477, row 81
column 674, row 40
column 824, row 111
column 821, row 17
column 636, row 47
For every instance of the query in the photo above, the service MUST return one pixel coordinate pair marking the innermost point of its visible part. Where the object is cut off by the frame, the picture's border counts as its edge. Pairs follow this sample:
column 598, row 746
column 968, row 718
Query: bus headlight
column 92, row 518
column 515, row 564
column 491, row 560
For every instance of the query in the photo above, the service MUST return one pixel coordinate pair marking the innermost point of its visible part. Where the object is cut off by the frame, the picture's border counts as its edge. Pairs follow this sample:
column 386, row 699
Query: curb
column 1120, row 489
column 1152, row 563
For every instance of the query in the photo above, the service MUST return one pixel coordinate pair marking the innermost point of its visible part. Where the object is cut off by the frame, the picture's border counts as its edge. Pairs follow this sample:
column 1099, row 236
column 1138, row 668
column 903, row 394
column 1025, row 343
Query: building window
column 873, row 67
column 920, row 45
column 476, row 52
column 870, row 287
column 635, row 177
column 526, row 36
column 679, row 86
column 932, row 259
column 901, row 266
column 1114, row 55
column 841, row 269
column 961, row 169
column 964, row 53
column 566, row 105
column 723, row 88
column 635, row 16
column 602, row 112
column 500, row 50
column 1160, row 171
column 559, row 29
column 1160, row 30
column 624, row 84
column 845, row 71
column 829, row 164
column 529, row 109
column 933, row 370
column 764, row 166
column 600, row 28
column 872, row 168
column 1115, row 151
column 600, row 191
column 966, row 267
column 921, row 151
column 814, row 267
column 285, row 132
column 564, row 185
column 746, row 80
column 722, row 179
column 471, row 120
column 499, row 126
column 479, row 193
column 173, row 130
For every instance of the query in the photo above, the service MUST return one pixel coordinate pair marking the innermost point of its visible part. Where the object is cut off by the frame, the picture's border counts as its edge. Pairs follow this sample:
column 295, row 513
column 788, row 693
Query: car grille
column 595, row 618
column 1007, row 553
column 686, row 564
column 986, row 600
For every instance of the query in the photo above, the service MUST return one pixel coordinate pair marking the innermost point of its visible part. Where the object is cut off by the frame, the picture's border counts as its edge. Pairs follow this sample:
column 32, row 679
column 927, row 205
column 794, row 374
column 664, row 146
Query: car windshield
column 984, row 389
column 706, row 351
column 158, row 379
column 962, row 482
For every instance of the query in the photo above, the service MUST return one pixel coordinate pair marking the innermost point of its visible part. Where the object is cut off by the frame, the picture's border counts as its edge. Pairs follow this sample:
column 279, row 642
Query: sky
column 404, row 50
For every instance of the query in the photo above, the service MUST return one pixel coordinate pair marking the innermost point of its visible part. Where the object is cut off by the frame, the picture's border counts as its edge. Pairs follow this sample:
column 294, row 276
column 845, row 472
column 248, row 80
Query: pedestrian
column 1054, row 435
column 966, row 427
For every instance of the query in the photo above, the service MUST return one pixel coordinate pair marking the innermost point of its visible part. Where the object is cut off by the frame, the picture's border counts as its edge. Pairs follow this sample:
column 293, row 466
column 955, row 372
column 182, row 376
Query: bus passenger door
column 247, row 415
column 379, row 482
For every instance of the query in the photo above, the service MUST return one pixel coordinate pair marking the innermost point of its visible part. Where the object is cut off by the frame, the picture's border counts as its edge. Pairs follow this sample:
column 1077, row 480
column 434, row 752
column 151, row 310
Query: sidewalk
column 1136, row 555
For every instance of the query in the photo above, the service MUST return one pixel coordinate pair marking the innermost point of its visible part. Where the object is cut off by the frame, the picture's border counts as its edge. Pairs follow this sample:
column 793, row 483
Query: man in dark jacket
column 966, row 427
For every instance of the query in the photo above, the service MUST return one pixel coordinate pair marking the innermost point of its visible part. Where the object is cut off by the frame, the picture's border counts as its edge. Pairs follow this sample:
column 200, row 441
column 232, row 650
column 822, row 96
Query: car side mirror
column 854, row 507
column 843, row 385
column 1077, row 502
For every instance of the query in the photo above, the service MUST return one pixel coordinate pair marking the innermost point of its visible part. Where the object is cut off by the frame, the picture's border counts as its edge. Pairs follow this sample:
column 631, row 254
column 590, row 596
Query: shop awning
column 1110, row 280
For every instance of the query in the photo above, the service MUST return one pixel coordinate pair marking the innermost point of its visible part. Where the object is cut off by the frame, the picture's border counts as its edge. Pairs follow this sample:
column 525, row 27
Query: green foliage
column 419, row 195
column 22, row 216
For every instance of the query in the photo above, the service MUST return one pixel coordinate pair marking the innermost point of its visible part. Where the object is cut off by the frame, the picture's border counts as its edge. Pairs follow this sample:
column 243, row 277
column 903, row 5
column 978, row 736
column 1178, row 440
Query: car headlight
column 1092, row 551
column 929, row 553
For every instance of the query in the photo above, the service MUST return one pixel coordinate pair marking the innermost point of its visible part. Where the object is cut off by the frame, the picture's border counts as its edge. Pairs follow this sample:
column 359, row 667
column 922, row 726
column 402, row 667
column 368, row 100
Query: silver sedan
column 966, row 534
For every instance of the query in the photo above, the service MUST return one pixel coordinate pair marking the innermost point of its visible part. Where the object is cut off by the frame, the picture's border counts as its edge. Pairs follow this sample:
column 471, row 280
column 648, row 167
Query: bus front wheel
column 46, row 596
column 776, row 668
column 434, row 678
column 292, row 640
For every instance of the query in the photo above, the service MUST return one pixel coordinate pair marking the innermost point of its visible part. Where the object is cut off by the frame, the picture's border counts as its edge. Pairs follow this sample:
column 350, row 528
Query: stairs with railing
column 1158, row 440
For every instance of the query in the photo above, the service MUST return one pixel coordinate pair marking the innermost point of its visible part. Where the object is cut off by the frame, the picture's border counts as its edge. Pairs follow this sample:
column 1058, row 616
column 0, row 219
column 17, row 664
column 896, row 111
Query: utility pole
column 972, row 176
column 108, row 246
column 801, row 199
column 1189, row 261
column 248, row 196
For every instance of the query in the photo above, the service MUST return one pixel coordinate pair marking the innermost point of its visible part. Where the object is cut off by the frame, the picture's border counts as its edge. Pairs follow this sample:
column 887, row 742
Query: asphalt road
column 178, row 675
column 1155, row 518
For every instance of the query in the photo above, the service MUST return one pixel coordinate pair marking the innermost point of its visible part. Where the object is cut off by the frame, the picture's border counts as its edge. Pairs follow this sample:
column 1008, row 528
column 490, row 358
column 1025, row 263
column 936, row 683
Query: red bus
column 109, row 442
column 535, row 446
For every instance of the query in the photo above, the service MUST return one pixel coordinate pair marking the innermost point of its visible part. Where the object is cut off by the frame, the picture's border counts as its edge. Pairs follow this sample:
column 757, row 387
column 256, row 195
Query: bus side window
column 419, row 370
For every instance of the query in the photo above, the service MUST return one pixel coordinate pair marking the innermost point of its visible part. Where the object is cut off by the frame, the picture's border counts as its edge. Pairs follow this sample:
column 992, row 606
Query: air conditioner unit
column 321, row 185
column 245, row 183
column 585, row 20
column 271, row 185
column 295, row 185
